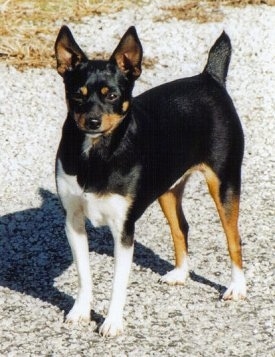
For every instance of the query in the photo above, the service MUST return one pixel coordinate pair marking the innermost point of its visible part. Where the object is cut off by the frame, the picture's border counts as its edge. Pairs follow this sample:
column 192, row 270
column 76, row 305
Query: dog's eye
column 111, row 97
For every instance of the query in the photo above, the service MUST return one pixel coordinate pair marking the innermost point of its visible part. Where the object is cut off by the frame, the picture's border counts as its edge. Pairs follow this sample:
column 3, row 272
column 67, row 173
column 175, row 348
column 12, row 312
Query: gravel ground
column 37, row 278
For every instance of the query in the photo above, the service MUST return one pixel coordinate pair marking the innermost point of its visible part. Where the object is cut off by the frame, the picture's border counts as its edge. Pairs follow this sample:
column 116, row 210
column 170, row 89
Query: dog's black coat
column 188, row 125
column 118, row 154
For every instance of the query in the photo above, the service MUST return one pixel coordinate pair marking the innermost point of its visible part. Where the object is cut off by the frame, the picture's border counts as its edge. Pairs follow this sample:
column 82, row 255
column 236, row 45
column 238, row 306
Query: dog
column 118, row 154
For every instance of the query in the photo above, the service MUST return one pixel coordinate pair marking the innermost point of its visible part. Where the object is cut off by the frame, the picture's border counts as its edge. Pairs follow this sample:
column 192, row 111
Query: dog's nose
column 93, row 123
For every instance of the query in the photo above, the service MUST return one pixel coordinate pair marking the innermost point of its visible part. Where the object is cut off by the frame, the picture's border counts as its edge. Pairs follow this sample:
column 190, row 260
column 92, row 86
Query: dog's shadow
column 34, row 251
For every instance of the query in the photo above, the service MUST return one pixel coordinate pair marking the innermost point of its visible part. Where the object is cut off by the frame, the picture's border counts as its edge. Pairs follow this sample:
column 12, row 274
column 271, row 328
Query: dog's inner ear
column 128, row 54
column 68, row 53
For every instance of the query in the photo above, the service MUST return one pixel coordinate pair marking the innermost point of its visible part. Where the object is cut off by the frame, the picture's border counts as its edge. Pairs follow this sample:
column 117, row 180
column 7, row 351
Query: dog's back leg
column 171, row 204
column 226, row 195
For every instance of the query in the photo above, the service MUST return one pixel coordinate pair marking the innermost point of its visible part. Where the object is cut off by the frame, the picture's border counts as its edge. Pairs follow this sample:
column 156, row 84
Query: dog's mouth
column 92, row 133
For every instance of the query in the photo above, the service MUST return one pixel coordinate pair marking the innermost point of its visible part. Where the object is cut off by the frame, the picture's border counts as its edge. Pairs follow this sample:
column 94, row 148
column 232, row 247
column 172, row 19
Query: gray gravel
column 37, row 278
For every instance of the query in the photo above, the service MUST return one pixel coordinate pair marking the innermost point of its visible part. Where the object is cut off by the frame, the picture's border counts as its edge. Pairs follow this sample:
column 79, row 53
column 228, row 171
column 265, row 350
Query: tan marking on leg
column 229, row 213
column 170, row 203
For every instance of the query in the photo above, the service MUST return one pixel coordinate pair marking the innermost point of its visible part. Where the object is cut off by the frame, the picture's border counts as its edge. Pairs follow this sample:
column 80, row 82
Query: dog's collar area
column 89, row 141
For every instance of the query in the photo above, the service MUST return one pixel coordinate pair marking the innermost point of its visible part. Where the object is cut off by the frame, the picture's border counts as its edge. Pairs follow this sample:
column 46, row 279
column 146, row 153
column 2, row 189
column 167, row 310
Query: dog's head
column 98, row 92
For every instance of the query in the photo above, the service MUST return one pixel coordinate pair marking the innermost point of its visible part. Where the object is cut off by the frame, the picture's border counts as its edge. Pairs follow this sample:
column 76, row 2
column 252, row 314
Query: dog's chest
column 102, row 209
column 108, row 210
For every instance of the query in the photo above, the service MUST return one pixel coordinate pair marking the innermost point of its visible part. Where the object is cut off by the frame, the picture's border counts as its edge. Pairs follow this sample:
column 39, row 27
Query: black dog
column 118, row 154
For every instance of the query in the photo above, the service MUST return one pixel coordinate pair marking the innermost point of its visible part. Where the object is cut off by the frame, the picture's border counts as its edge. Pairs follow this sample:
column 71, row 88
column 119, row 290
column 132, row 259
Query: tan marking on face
column 125, row 106
column 84, row 90
column 110, row 122
column 80, row 120
column 104, row 90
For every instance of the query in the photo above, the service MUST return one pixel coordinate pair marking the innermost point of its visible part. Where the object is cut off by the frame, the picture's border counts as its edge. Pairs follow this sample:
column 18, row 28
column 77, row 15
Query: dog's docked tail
column 219, row 58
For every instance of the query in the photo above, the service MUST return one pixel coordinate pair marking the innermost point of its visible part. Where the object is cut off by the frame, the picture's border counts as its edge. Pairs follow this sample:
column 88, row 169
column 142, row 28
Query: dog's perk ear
column 128, row 54
column 68, row 53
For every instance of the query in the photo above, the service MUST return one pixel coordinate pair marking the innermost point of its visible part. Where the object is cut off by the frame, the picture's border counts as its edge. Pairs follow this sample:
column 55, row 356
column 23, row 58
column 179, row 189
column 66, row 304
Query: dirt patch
column 28, row 28
column 204, row 11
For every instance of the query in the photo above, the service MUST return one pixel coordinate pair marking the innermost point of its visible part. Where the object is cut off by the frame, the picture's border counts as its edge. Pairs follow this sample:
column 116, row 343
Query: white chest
column 110, row 209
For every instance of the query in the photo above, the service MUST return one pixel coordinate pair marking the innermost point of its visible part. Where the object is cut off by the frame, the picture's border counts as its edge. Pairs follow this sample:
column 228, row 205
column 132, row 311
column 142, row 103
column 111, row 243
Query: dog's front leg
column 123, row 253
column 77, row 237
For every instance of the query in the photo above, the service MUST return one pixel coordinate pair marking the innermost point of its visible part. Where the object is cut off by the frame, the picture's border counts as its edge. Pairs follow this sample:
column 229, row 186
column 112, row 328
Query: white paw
column 176, row 276
column 78, row 314
column 111, row 327
column 236, row 291
column 237, row 287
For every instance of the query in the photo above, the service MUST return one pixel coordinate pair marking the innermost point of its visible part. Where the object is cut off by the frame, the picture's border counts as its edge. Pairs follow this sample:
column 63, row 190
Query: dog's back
column 189, row 121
